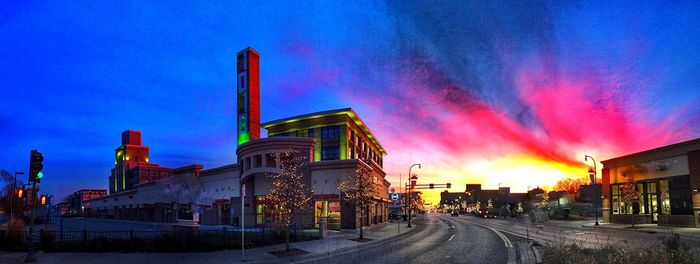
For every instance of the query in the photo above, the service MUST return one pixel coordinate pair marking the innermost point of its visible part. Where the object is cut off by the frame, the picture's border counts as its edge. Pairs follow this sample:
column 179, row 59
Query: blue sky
column 74, row 76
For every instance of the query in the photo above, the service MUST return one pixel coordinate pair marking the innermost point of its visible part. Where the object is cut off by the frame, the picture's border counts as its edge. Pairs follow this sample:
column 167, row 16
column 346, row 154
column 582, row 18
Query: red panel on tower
column 254, row 89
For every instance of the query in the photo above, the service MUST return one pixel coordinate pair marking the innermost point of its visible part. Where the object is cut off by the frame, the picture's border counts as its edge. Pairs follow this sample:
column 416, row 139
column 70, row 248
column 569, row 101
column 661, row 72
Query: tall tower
column 127, row 156
column 248, row 95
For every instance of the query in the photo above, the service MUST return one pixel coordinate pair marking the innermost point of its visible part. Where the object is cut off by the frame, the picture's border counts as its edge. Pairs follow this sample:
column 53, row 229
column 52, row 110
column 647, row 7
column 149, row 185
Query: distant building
column 132, row 164
column 189, row 191
column 76, row 200
column 473, row 187
column 587, row 193
column 473, row 194
column 668, row 179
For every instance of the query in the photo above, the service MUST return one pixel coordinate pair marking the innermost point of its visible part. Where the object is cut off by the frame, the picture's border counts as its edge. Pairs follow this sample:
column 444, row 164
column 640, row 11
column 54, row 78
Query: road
column 584, row 236
column 439, row 238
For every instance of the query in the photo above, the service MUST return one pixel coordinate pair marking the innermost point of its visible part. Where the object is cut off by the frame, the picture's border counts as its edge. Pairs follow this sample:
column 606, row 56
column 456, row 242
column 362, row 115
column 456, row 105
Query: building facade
column 334, row 144
column 74, row 202
column 132, row 164
column 157, row 194
column 667, row 179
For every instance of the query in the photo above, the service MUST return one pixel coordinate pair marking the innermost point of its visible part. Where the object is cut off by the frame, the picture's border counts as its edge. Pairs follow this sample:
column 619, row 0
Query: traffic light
column 36, row 166
column 449, row 185
column 43, row 199
column 20, row 193
column 432, row 186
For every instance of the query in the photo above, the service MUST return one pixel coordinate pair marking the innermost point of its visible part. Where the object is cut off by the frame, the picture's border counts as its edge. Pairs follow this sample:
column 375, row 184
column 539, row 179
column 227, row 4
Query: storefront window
column 265, row 212
column 680, row 195
column 616, row 202
column 665, row 197
column 329, row 210
column 641, row 204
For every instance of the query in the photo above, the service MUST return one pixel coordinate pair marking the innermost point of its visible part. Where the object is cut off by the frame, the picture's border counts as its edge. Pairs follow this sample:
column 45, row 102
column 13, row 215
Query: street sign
column 394, row 196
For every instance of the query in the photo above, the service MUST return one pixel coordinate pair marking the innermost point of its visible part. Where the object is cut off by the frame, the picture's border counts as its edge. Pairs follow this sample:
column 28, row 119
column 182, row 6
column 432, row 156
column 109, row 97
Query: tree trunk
column 289, row 225
column 287, row 237
column 361, row 223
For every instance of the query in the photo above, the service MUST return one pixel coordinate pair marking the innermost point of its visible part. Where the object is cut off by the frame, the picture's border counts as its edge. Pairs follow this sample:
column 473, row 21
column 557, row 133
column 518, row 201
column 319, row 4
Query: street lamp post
column 12, row 197
column 413, row 180
column 592, row 174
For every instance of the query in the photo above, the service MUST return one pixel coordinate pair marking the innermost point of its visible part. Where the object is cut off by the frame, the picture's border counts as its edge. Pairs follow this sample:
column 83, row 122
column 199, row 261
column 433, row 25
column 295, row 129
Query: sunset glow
column 505, row 95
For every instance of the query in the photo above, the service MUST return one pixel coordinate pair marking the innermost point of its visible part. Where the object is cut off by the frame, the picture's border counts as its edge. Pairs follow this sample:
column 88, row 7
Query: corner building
column 667, row 178
column 334, row 142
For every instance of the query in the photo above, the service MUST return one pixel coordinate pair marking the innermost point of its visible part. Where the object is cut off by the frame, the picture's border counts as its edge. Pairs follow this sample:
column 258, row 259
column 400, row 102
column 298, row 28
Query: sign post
column 242, row 223
column 395, row 197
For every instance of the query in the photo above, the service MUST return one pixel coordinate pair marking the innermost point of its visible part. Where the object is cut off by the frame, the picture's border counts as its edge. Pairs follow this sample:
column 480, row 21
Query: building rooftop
column 342, row 111
column 665, row 151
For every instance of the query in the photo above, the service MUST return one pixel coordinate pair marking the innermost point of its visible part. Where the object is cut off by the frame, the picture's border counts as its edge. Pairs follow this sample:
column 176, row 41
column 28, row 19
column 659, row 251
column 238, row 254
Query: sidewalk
column 336, row 243
column 689, row 232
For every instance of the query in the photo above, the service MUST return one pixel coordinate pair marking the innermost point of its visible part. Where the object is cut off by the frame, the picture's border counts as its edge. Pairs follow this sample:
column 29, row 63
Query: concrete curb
column 639, row 230
column 353, row 248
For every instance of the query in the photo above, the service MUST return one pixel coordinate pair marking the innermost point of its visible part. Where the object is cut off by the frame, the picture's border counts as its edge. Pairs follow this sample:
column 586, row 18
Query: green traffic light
column 40, row 175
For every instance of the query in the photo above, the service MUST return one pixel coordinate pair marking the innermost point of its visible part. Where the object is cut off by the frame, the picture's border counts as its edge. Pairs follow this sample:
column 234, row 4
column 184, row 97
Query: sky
column 498, row 93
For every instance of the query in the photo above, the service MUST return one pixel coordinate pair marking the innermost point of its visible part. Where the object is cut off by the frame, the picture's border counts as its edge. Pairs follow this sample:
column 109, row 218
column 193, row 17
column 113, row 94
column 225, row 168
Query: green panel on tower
column 248, row 95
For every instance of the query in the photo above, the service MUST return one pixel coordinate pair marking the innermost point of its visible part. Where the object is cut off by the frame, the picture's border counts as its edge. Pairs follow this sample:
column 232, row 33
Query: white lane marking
column 453, row 236
column 506, row 241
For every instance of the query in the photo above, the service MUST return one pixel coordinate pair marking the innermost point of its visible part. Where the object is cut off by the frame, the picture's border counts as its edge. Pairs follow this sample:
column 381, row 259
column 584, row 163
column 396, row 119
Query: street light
column 592, row 173
column 12, row 197
column 413, row 180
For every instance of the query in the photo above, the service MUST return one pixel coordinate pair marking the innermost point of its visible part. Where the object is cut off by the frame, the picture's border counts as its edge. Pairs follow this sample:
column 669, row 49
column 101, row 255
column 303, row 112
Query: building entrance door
column 653, row 201
column 654, row 208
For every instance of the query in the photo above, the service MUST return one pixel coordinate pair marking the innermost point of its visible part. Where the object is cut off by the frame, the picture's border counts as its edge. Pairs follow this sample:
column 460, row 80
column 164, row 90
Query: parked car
column 455, row 213
column 394, row 216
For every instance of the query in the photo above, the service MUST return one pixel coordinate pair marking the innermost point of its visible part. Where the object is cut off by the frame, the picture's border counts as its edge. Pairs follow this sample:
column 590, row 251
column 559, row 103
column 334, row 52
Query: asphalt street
column 439, row 238
column 584, row 236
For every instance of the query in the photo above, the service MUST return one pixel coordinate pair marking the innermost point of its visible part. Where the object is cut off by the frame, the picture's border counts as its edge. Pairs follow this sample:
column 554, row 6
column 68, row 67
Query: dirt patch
column 288, row 253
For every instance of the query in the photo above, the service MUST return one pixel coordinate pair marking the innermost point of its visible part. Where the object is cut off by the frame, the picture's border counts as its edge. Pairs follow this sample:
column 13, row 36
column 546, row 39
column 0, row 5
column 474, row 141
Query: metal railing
column 155, row 241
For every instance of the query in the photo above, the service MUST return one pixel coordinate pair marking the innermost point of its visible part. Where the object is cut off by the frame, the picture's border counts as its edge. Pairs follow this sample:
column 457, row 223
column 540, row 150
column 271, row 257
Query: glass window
column 680, row 195
column 311, row 132
column 665, row 198
column 270, row 161
column 640, row 204
column 242, row 123
column 329, row 210
column 330, row 143
column 257, row 161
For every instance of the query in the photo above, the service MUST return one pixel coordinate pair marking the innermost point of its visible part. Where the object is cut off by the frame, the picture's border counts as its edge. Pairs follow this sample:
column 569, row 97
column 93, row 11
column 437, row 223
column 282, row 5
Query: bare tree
column 289, row 194
column 8, row 198
column 630, row 194
column 360, row 188
column 570, row 185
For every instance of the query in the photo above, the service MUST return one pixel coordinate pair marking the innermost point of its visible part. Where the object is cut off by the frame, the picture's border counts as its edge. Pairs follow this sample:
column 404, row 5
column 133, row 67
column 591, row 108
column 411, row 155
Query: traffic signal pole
column 31, row 258
column 35, row 175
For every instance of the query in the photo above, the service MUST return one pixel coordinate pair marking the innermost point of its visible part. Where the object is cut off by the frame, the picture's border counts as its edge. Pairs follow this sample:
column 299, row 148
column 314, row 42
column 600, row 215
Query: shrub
column 669, row 250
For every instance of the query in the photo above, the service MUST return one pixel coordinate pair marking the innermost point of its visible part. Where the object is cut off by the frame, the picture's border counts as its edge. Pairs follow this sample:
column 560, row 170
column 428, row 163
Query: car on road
column 455, row 213
column 394, row 216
